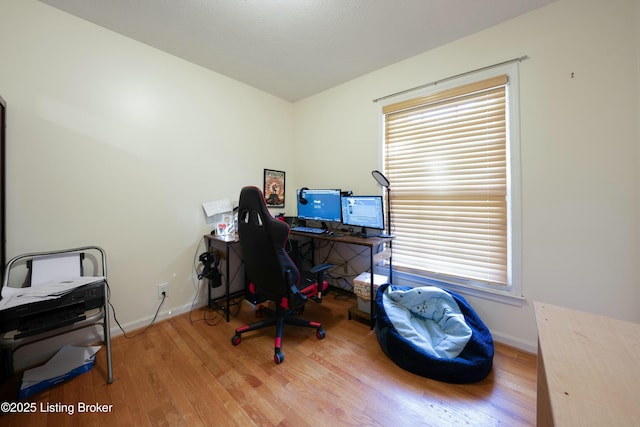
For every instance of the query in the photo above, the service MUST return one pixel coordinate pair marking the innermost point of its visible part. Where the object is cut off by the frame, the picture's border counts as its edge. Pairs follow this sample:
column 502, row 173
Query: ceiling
column 296, row 48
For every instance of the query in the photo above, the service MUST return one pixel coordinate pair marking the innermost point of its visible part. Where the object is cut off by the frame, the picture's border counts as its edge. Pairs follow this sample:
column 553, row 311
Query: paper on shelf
column 13, row 297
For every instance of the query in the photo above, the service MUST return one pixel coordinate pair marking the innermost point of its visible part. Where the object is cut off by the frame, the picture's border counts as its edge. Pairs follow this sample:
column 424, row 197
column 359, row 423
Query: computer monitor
column 363, row 211
column 319, row 205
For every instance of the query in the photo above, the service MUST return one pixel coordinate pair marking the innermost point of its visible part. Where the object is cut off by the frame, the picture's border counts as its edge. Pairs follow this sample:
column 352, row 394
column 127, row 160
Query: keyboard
column 312, row 230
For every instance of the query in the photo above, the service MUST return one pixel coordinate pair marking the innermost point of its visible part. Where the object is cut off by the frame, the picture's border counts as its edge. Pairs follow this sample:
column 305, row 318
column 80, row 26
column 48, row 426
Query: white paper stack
column 68, row 362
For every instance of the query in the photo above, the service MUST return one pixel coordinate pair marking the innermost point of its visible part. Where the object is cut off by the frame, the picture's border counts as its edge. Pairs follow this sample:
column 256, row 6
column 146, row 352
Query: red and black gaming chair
column 270, row 271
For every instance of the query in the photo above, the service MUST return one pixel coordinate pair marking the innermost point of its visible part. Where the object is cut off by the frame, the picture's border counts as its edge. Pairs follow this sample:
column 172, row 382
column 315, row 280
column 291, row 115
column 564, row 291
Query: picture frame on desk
column 273, row 190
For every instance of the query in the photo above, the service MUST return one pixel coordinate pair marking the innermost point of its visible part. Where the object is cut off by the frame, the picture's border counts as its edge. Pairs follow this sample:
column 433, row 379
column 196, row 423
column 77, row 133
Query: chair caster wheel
column 320, row 333
column 236, row 339
column 278, row 357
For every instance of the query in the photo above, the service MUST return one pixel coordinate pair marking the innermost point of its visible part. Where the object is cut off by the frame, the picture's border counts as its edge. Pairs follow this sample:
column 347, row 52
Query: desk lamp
column 384, row 182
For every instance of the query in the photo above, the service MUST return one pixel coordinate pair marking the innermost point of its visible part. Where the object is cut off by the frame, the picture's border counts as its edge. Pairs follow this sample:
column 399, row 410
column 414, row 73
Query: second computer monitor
column 363, row 211
column 319, row 205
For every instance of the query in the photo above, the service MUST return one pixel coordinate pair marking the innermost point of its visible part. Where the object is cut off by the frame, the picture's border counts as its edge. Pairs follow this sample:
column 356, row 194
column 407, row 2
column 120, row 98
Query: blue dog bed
column 433, row 333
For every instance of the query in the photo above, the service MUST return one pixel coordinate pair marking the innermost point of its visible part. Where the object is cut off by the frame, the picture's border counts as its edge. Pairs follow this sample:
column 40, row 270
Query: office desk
column 369, row 242
column 588, row 369
column 224, row 245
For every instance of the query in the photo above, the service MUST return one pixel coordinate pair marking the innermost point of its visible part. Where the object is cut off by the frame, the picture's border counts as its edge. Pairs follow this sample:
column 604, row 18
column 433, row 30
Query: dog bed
column 433, row 333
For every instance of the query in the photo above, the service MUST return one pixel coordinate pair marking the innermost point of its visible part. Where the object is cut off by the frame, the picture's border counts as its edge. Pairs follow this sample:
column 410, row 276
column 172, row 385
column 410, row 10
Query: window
column 451, row 157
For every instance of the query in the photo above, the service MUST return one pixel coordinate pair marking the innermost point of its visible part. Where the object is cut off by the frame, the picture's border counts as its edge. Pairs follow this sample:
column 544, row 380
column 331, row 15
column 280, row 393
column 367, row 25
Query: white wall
column 116, row 144
column 580, row 150
column 111, row 142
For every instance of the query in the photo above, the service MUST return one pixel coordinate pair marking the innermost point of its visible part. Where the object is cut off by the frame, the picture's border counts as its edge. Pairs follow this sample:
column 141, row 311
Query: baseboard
column 511, row 341
column 142, row 323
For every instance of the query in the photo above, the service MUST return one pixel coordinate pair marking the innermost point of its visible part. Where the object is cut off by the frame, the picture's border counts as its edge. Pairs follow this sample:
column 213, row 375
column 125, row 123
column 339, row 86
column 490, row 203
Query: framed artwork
column 274, row 188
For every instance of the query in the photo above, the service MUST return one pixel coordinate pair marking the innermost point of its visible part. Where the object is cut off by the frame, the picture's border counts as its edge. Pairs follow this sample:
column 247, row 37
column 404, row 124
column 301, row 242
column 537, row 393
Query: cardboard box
column 362, row 285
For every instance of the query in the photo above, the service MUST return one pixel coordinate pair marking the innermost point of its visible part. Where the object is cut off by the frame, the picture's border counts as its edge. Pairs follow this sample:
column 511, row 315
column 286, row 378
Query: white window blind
column 446, row 157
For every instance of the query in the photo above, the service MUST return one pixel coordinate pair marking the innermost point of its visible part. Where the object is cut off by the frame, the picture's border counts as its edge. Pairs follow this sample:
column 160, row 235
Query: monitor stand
column 365, row 234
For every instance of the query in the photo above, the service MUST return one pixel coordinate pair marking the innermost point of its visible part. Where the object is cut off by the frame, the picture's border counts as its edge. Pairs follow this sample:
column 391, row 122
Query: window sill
column 406, row 279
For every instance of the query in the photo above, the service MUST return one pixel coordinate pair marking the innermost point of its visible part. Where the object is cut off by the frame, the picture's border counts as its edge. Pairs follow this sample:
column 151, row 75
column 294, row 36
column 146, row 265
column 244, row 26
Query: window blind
column 446, row 159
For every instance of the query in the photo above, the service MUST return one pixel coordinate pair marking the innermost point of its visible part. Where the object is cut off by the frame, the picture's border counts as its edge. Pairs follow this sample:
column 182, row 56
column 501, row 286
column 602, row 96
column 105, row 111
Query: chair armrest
column 319, row 271
column 320, row 267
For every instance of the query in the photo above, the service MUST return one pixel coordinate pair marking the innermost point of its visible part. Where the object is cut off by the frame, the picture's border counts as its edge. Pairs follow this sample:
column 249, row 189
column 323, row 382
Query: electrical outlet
column 163, row 288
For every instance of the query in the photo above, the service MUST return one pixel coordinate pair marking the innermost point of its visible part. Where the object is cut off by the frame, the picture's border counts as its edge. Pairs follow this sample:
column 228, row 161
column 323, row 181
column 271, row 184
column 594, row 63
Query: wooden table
column 588, row 369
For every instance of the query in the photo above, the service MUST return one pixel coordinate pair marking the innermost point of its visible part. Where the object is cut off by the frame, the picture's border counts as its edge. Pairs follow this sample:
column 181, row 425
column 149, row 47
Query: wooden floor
column 184, row 372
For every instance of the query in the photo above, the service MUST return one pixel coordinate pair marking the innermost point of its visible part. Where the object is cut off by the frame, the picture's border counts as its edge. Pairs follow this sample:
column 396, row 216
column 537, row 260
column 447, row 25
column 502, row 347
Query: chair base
column 279, row 318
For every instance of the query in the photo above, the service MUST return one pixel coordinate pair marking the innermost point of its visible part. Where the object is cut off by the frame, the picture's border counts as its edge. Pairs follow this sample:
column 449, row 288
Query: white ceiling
column 296, row 48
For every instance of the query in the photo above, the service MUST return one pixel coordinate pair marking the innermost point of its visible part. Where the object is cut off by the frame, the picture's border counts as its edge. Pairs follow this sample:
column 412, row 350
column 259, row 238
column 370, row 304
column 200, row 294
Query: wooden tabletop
column 591, row 367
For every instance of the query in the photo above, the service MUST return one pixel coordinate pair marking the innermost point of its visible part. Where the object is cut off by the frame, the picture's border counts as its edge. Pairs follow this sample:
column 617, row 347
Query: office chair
column 271, row 273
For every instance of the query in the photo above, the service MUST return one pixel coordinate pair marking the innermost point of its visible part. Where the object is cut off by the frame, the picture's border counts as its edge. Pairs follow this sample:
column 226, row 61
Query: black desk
column 372, row 243
column 224, row 245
